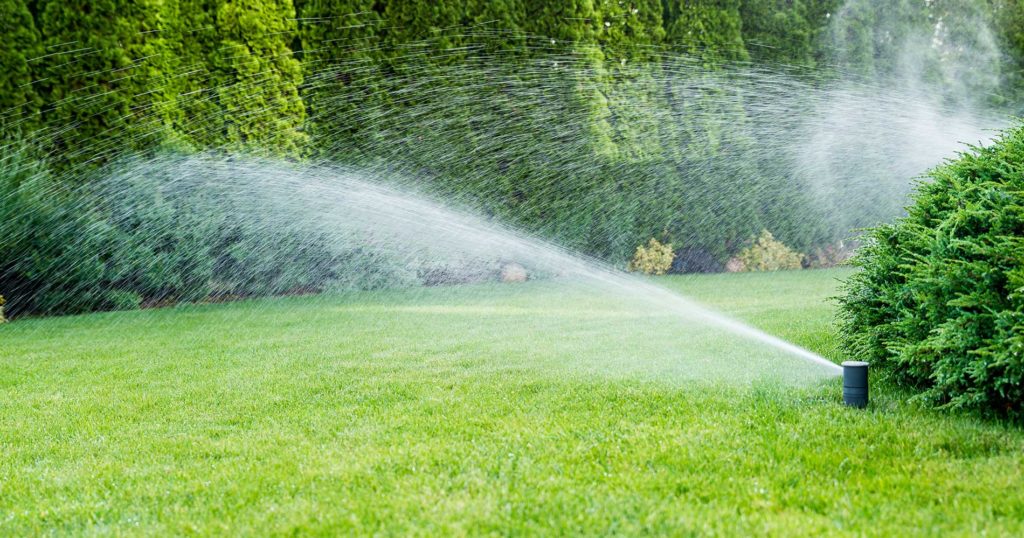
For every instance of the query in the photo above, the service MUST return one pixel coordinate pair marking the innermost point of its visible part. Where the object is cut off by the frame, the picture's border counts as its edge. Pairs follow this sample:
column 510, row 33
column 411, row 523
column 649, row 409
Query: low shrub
column 2, row 318
column 939, row 300
column 54, row 252
column 152, row 236
column 653, row 259
column 765, row 253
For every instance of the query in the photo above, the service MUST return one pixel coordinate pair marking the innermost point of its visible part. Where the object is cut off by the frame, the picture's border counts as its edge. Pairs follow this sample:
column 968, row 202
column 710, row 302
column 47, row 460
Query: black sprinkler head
column 855, row 383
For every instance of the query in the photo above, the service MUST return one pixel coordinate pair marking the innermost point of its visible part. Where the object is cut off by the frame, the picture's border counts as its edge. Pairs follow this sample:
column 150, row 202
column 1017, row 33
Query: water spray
column 855, row 384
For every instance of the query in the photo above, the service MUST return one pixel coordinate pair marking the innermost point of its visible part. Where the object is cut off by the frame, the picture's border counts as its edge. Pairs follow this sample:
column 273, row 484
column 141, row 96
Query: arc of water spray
column 357, row 208
column 715, row 318
column 382, row 206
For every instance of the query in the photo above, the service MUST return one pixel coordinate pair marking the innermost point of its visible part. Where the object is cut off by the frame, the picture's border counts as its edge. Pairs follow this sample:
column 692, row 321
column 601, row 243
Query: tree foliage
column 707, row 29
column 341, row 49
column 103, row 77
column 579, row 133
column 1009, row 18
column 154, row 240
column 786, row 31
column 256, row 76
column 19, row 47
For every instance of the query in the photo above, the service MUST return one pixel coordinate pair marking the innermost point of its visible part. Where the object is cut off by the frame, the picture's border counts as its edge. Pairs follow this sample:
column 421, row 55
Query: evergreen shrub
column 53, row 254
column 143, row 239
column 939, row 300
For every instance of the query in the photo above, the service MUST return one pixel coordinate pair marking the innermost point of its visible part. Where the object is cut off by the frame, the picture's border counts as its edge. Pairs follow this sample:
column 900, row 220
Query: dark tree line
column 203, row 72
column 572, row 152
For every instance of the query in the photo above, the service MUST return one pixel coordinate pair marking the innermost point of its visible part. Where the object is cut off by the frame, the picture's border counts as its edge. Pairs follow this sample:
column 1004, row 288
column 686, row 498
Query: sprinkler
column 855, row 383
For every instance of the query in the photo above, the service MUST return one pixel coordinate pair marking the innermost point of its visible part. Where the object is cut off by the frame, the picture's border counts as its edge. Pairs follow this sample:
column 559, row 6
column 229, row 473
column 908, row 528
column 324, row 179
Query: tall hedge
column 718, row 189
column 788, row 32
column 503, row 22
column 340, row 45
column 20, row 45
column 631, row 35
column 192, row 39
column 104, row 77
column 708, row 29
column 944, row 42
column 257, row 76
column 565, row 118
column 1009, row 19
column 939, row 300
column 440, row 22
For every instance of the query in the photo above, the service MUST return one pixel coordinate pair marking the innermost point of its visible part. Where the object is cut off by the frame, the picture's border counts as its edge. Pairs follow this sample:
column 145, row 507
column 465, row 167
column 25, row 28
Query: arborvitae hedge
column 555, row 121
column 629, row 35
column 440, row 22
column 881, row 39
column 257, row 77
column 104, row 77
column 786, row 31
column 339, row 42
column 192, row 40
column 708, row 29
column 939, row 300
column 504, row 20
column 572, row 21
column 19, row 44
column 1009, row 18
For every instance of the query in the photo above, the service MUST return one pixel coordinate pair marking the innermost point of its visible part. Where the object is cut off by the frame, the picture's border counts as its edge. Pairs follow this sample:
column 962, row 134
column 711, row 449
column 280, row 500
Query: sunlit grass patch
column 510, row 409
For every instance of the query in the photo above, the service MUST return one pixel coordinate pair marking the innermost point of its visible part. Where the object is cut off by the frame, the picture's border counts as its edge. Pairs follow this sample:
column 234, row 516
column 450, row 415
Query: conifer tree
column 572, row 21
column 503, row 23
column 1009, row 17
column 629, row 30
column 256, row 77
column 575, row 27
column 192, row 40
column 629, row 34
column 339, row 42
column 852, row 37
column 786, row 31
column 708, row 29
column 714, row 144
column 19, row 47
column 439, row 23
column 104, row 77
column 942, row 43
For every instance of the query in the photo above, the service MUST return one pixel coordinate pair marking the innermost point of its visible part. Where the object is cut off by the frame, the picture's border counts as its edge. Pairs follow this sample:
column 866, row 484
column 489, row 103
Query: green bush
column 187, row 236
column 154, row 235
column 102, row 78
column 2, row 318
column 765, row 253
column 47, row 264
column 19, row 101
column 939, row 302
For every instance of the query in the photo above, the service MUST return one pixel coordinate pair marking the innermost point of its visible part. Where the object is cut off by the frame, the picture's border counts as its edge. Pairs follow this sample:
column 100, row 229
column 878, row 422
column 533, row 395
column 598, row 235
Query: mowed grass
column 537, row 409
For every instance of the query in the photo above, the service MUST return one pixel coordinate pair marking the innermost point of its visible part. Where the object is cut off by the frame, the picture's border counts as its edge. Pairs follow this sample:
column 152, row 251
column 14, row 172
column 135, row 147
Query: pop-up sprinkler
column 855, row 383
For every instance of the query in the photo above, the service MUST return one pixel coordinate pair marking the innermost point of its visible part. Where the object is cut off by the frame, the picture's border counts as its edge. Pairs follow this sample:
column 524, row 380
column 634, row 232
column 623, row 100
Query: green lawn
column 540, row 408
